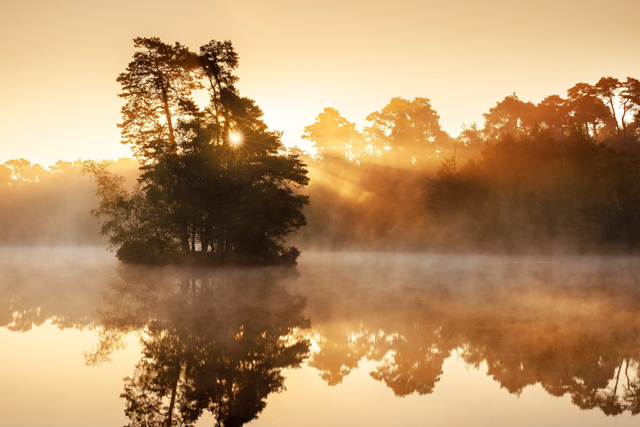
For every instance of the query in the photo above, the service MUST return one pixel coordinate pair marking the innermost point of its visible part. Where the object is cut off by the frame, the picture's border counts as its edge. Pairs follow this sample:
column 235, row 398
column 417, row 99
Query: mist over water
column 394, row 274
column 62, row 285
column 527, row 329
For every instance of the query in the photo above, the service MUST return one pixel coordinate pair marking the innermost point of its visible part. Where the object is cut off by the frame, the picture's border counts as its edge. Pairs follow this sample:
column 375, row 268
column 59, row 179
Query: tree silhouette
column 219, row 60
column 156, row 86
column 410, row 130
column 509, row 116
column 333, row 136
column 587, row 108
column 213, row 180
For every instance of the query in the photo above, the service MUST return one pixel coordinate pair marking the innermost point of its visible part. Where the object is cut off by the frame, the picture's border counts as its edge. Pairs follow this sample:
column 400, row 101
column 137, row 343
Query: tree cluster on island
column 214, row 187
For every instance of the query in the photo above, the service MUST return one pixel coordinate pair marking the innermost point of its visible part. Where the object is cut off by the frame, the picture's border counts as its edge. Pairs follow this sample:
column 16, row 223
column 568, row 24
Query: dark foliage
column 532, row 191
column 212, row 180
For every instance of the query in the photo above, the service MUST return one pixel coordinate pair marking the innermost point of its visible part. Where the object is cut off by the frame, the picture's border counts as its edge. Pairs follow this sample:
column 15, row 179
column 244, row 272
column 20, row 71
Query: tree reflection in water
column 218, row 341
column 212, row 341
column 574, row 329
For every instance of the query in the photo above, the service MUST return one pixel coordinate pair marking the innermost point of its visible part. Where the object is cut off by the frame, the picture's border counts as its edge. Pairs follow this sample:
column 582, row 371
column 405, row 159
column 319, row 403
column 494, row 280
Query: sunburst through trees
column 213, row 186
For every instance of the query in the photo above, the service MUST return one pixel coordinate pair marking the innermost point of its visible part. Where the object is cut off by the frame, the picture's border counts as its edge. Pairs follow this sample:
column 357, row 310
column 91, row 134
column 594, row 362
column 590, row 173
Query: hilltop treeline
column 560, row 174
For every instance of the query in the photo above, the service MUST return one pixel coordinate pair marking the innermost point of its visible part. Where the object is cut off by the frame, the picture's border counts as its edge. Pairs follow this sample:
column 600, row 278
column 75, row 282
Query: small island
column 214, row 187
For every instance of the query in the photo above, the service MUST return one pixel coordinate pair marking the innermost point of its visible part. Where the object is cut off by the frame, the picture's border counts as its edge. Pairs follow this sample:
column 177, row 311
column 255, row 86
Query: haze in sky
column 59, row 59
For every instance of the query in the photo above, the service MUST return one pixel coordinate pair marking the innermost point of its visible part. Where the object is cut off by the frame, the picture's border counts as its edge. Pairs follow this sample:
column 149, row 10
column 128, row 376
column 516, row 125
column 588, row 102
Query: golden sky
column 59, row 59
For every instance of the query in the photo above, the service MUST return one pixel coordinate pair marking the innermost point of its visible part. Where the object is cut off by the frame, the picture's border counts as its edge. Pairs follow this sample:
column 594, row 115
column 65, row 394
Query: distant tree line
column 49, row 206
column 407, row 132
column 404, row 133
column 564, row 171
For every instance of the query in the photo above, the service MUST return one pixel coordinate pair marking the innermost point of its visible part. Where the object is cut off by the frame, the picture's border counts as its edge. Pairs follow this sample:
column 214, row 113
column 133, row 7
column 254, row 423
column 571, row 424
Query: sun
column 235, row 138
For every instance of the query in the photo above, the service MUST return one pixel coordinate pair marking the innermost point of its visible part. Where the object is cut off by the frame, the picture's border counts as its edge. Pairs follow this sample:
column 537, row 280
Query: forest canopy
column 213, row 185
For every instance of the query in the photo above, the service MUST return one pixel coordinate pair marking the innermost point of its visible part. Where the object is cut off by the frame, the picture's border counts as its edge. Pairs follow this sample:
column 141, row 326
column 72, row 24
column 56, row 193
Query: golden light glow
column 235, row 138
column 471, row 55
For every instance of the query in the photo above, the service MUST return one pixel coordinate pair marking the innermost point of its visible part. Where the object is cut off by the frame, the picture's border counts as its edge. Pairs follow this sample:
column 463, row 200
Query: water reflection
column 573, row 327
column 218, row 341
column 58, row 285
column 213, row 341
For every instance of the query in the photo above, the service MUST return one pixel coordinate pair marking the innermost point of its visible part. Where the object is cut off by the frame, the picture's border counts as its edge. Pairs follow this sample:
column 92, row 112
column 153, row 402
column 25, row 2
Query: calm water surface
column 342, row 339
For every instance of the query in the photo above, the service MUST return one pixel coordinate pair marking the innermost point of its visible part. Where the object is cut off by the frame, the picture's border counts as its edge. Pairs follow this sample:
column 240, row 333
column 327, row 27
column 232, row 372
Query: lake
column 357, row 339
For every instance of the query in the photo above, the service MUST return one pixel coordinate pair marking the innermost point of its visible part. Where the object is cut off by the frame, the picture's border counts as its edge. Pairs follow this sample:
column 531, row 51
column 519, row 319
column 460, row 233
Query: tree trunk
column 184, row 239
column 615, row 119
column 615, row 387
column 214, row 97
column 563, row 156
column 173, row 400
column 167, row 113
column 624, row 125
